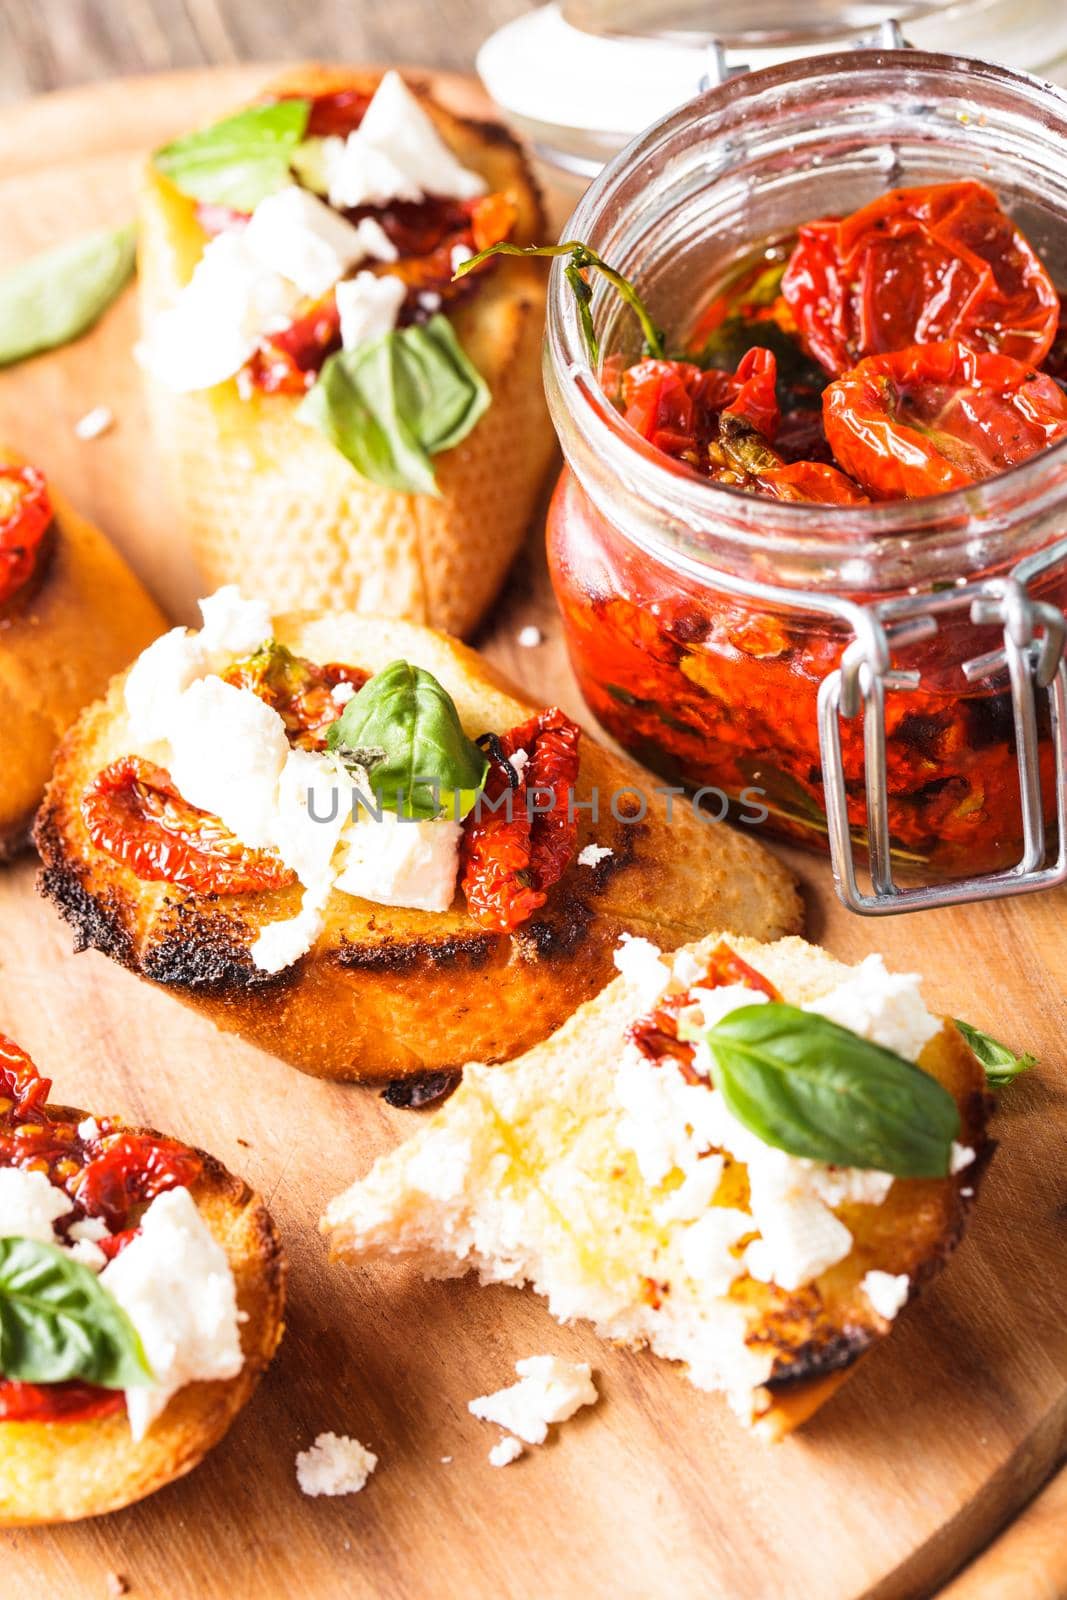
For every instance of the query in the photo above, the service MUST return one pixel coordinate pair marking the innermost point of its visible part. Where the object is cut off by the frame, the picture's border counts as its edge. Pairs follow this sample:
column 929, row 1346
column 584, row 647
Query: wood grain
column 653, row 1493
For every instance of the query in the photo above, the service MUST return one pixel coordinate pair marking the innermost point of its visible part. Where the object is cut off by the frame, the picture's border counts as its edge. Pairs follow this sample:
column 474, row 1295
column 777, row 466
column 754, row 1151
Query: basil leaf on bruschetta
column 392, row 403
column 241, row 160
column 57, row 1322
column 808, row 1086
column 403, row 728
column 58, row 295
column 1001, row 1065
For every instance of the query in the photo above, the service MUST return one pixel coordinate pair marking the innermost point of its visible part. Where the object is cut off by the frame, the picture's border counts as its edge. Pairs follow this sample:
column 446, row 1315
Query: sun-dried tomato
column 656, row 1034
column 300, row 691
column 676, row 405
column 740, row 458
column 289, row 361
column 108, row 1173
column 130, row 1171
column 939, row 416
column 133, row 811
column 513, row 855
column 917, row 266
column 25, row 517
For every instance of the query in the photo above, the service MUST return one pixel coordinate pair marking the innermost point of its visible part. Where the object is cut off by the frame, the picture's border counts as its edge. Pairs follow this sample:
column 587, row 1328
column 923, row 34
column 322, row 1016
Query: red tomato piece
column 918, row 266
column 939, row 417
column 133, row 812
column 297, row 689
column 57, row 1402
column 676, row 405
column 25, row 517
column 511, row 856
column 130, row 1171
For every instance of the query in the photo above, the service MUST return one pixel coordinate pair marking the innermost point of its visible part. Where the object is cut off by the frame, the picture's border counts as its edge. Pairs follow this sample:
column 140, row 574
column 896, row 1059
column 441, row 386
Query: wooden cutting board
column 655, row 1492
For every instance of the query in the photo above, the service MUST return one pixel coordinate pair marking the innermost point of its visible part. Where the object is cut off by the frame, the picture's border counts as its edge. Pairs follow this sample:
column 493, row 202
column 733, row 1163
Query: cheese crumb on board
column 530, row 637
column 95, row 423
column 593, row 854
column 335, row 1464
column 506, row 1450
column 549, row 1390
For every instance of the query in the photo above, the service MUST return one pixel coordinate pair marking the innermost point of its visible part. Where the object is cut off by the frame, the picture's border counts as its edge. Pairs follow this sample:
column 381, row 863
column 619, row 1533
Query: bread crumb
column 550, row 1391
column 530, row 637
column 98, row 421
column 594, row 854
column 508, row 1449
column 335, row 1464
column 445, row 1460
column 117, row 1585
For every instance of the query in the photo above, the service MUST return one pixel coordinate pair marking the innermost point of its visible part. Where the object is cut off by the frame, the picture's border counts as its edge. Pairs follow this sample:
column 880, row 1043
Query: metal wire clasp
column 1032, row 655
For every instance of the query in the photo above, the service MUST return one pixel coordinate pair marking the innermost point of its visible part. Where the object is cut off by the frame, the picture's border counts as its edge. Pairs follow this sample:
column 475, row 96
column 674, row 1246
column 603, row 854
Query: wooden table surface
column 53, row 44
column 655, row 1493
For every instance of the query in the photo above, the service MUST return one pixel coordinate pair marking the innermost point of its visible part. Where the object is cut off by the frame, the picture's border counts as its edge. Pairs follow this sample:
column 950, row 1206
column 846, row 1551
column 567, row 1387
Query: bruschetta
column 141, row 1297
column 71, row 614
column 344, row 425
column 747, row 1157
column 353, row 842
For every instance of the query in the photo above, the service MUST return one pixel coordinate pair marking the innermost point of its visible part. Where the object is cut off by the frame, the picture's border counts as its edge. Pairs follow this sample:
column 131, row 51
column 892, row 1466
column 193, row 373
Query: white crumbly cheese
column 708, row 1247
column 335, row 1464
column 213, row 326
column 549, row 1390
column 30, row 1205
column 88, row 1129
column 369, row 305
column 399, row 863
column 430, row 300
column 530, row 636
column 961, row 1156
column 694, row 1194
column 640, row 963
column 460, row 254
column 233, row 623
column 157, row 680
column 175, row 1284
column 298, row 235
column 88, row 1254
column 715, row 1004
column 89, row 1230
column 95, row 423
column 341, row 693
column 506, row 1450
column 519, row 760
column 228, row 749
column 885, row 1007
column 593, row 854
column 887, row 1291
column 396, row 153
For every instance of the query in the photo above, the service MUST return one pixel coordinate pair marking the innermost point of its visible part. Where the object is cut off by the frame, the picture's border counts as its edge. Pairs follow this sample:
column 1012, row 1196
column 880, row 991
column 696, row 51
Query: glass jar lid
column 581, row 78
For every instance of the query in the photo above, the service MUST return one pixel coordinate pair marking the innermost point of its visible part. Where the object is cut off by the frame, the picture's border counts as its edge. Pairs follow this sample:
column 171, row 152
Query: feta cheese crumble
column 530, row 636
column 507, row 1450
column 30, row 1205
column 885, row 1007
column 175, row 1284
column 594, row 854
column 369, row 306
column 887, row 1292
column 335, row 1464
column 640, row 963
column 550, row 1390
column 396, row 153
column 95, row 423
column 296, row 234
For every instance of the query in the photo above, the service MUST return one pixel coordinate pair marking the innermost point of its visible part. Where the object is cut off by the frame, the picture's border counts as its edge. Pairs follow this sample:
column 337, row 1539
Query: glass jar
column 702, row 622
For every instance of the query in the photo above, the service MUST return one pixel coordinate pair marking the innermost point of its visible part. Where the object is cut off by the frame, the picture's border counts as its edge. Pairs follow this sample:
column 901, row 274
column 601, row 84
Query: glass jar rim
column 730, row 520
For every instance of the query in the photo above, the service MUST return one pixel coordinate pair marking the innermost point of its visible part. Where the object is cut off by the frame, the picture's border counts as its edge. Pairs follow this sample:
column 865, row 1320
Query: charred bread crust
column 387, row 993
column 64, row 1471
column 271, row 505
column 82, row 617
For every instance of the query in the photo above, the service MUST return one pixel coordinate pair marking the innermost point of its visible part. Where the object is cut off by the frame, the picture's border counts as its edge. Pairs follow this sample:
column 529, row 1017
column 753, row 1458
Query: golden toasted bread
column 527, row 1175
column 63, row 1471
column 386, row 993
column 269, row 503
column 81, row 617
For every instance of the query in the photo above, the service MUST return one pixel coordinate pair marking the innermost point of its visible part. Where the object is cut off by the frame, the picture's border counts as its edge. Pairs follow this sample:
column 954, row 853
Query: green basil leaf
column 1001, row 1064
column 241, row 160
column 805, row 1085
column 54, row 297
column 58, row 1322
column 410, row 724
column 392, row 403
column 581, row 259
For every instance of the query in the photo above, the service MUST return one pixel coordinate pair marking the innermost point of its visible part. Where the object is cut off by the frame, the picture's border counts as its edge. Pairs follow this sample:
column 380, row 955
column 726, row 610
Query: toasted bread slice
column 526, row 1176
column 269, row 503
column 81, row 617
column 63, row 1471
column 387, row 993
